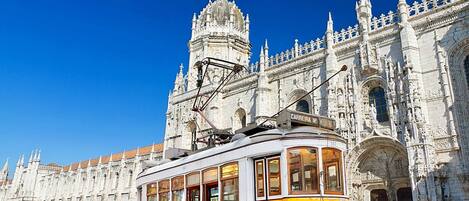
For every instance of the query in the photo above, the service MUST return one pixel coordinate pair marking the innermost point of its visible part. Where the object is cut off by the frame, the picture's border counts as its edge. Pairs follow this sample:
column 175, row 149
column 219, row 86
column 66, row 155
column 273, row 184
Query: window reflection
column 260, row 178
column 378, row 100
column 332, row 170
column 303, row 170
column 229, row 182
column 210, row 181
column 177, row 188
column 151, row 192
column 163, row 190
column 193, row 186
column 274, row 177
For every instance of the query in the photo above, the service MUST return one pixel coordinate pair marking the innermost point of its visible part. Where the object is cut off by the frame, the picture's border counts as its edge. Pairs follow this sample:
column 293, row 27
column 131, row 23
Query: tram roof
column 306, row 132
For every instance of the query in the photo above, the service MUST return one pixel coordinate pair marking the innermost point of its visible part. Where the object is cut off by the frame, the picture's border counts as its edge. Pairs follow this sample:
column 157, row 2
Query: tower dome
column 219, row 31
column 221, row 16
column 222, row 13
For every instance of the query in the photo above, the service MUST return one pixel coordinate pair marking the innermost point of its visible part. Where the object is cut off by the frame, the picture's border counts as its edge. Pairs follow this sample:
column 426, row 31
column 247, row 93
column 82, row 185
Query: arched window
column 466, row 69
column 131, row 176
column 239, row 119
column 302, row 106
column 377, row 99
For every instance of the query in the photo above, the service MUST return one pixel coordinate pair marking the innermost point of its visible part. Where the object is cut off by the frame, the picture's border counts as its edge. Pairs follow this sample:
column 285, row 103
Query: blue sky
column 83, row 78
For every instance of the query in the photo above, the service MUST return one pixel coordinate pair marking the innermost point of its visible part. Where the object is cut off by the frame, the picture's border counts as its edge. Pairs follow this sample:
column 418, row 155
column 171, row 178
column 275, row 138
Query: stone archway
column 378, row 163
column 298, row 93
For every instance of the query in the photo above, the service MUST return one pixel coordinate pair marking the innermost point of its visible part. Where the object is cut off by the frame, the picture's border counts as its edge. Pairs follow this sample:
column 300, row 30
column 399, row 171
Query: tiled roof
column 142, row 151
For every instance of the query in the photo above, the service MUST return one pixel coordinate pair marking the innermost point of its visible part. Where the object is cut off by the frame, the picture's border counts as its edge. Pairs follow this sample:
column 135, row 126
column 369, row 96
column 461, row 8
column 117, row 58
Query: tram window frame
column 165, row 191
column 315, row 189
column 260, row 195
column 268, row 176
column 152, row 191
column 210, row 183
column 190, row 187
column 177, row 187
column 234, row 177
column 339, row 171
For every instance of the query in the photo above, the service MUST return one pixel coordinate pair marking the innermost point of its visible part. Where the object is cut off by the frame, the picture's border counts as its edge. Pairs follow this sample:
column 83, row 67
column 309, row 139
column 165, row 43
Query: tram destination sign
column 289, row 119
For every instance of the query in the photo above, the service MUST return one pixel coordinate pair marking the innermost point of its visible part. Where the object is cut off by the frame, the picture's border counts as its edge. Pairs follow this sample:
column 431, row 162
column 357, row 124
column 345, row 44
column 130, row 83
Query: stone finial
column 38, row 156
column 31, row 156
column 5, row 167
column 330, row 24
column 261, row 60
column 181, row 67
column 403, row 10
column 20, row 161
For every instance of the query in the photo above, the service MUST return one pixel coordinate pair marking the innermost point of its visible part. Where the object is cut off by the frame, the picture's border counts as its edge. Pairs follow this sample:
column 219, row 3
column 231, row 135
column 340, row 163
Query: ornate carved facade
column 402, row 105
column 104, row 178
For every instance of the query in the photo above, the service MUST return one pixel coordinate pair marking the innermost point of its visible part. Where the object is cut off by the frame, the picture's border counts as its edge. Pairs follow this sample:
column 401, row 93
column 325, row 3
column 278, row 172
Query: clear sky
column 83, row 78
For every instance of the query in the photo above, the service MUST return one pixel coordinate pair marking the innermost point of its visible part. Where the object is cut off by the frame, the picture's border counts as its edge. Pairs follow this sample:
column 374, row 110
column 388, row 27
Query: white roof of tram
column 306, row 132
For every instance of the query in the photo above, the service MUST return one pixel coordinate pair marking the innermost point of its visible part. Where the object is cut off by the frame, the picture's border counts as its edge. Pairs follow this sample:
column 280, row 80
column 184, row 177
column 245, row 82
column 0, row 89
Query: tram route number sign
column 288, row 119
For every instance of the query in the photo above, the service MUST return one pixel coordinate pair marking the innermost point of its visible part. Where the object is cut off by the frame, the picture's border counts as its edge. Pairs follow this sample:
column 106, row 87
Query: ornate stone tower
column 220, row 31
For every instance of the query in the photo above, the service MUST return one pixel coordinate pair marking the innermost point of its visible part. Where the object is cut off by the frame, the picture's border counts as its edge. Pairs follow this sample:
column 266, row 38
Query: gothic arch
column 377, row 163
column 300, row 106
column 239, row 119
column 370, row 117
column 458, row 53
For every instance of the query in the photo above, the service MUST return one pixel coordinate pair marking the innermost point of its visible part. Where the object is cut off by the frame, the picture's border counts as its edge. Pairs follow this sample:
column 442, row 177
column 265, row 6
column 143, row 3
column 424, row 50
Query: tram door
column 193, row 193
column 210, row 184
column 267, row 175
column 211, row 192
column 193, row 186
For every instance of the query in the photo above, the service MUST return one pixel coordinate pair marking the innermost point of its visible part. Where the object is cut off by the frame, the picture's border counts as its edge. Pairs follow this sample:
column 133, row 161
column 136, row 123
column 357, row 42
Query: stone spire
column 261, row 60
column 363, row 9
column 4, row 174
column 179, row 81
column 38, row 156
column 331, row 68
column 4, row 171
column 20, row 161
column 32, row 156
column 5, row 166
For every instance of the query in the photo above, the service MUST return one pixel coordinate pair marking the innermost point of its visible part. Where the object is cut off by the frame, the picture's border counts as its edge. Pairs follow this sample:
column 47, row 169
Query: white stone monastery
column 107, row 178
column 402, row 104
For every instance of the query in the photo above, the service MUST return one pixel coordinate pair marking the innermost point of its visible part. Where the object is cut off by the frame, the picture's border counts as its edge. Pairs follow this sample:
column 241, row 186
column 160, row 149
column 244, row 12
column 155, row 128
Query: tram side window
column 193, row 186
column 229, row 182
column 303, row 170
column 163, row 190
column 177, row 188
column 333, row 172
column 260, row 178
column 274, row 177
column 210, row 181
column 151, row 192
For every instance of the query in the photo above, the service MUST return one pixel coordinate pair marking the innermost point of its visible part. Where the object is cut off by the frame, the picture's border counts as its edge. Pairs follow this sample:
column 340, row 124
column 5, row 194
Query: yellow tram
column 301, row 159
